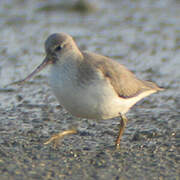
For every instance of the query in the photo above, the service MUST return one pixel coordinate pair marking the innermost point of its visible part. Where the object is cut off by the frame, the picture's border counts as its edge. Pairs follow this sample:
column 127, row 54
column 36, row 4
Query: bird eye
column 58, row 48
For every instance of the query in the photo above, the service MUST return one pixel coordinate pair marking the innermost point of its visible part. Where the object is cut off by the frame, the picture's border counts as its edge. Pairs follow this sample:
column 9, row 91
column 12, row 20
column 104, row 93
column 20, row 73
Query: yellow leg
column 121, row 130
column 58, row 136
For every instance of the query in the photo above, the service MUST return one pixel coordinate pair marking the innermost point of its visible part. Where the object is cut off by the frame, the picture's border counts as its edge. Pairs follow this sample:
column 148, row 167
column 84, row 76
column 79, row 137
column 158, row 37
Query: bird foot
column 54, row 139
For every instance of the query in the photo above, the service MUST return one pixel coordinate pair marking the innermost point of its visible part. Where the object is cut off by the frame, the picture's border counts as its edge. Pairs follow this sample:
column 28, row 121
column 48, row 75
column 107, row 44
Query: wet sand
column 144, row 36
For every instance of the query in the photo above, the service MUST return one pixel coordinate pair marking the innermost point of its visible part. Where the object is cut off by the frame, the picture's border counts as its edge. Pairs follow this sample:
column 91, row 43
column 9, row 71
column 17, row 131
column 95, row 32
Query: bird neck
column 72, row 57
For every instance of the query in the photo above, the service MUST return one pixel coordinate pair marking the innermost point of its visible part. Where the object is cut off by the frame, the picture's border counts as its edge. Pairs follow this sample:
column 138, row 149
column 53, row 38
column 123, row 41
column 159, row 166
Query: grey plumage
column 124, row 82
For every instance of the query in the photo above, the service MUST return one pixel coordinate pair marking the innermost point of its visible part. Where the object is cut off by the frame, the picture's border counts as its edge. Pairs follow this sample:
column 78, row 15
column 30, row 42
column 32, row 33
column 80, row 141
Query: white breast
column 97, row 100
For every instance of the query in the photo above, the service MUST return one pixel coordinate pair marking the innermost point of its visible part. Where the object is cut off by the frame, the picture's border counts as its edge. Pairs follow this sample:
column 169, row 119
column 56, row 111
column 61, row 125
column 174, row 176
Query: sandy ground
column 143, row 35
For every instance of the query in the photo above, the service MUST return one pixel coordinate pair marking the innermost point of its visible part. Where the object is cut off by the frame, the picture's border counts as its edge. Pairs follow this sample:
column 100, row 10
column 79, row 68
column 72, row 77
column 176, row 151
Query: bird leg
column 58, row 136
column 121, row 130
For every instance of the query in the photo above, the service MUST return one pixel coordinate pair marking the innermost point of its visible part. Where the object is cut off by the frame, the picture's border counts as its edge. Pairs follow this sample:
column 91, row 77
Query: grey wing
column 124, row 82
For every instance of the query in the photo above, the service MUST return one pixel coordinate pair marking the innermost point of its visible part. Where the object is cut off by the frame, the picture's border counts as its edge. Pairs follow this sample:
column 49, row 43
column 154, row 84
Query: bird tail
column 152, row 86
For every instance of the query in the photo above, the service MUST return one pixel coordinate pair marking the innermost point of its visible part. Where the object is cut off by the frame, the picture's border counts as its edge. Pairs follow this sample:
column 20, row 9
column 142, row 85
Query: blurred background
column 144, row 35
